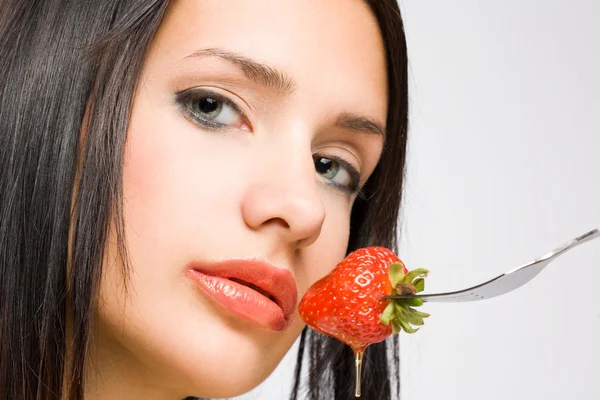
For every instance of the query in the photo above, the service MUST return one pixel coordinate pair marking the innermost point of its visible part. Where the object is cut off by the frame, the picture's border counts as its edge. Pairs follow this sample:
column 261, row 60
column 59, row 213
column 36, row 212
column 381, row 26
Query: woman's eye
column 211, row 110
column 339, row 172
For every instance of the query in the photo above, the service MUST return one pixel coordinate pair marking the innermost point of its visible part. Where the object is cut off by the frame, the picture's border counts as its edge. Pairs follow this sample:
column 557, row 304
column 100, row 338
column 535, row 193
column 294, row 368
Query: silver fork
column 506, row 282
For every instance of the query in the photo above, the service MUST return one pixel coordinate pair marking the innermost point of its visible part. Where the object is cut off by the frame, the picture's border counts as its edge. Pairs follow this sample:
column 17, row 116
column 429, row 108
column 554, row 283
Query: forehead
column 329, row 47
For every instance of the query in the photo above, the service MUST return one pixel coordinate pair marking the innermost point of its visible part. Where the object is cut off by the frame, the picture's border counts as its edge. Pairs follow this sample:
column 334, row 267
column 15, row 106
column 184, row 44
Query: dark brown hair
column 55, row 56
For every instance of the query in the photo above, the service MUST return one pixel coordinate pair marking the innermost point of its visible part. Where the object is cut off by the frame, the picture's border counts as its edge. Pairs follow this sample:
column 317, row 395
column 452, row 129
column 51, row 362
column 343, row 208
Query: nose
column 283, row 198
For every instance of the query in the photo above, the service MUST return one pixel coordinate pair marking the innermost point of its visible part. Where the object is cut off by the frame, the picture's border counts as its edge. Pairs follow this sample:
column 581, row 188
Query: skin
column 248, row 190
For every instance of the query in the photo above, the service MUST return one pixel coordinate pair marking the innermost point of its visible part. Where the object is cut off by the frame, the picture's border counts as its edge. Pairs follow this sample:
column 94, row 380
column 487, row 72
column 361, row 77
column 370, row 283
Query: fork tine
column 506, row 282
column 452, row 299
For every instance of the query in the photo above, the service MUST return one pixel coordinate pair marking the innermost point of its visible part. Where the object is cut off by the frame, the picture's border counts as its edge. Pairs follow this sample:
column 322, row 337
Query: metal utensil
column 506, row 282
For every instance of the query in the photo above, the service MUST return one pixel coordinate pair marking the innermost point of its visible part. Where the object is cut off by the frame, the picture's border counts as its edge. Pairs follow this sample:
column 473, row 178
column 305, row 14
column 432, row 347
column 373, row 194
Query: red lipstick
column 252, row 289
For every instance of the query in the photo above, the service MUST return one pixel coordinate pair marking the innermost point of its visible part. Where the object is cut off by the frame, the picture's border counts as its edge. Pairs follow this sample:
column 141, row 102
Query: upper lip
column 276, row 281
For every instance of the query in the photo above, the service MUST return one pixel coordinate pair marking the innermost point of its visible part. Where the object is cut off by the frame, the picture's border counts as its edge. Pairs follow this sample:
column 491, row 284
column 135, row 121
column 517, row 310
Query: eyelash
column 354, row 174
column 186, row 99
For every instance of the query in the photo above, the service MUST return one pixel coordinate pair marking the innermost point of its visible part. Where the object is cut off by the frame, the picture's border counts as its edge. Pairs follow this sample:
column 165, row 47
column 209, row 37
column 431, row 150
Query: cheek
column 175, row 186
column 159, row 177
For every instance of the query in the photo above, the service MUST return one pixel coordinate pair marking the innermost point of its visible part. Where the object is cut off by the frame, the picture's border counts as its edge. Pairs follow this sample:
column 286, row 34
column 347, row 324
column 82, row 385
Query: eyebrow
column 285, row 85
column 360, row 123
column 253, row 70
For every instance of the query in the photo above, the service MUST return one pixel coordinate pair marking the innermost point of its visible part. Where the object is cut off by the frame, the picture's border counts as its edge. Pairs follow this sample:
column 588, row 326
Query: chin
column 230, row 369
column 227, row 357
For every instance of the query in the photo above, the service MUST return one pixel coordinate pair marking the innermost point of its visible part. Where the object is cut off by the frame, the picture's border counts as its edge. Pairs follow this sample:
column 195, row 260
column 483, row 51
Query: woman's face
column 253, row 127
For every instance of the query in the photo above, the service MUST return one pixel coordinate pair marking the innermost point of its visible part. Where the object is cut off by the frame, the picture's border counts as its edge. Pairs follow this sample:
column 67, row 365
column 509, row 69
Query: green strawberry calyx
column 401, row 313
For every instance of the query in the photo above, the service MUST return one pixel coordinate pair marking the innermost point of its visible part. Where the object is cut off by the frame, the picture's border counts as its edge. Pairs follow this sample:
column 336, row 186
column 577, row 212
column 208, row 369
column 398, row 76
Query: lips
column 251, row 289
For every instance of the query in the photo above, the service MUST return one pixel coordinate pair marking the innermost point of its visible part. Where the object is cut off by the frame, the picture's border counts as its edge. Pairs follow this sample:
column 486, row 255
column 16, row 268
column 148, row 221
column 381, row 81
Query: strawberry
column 349, row 303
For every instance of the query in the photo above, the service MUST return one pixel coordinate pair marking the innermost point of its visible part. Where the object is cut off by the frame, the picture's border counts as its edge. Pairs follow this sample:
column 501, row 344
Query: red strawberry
column 349, row 303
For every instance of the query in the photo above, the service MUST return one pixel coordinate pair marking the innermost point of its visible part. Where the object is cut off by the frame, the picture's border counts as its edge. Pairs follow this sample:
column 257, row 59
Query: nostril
column 278, row 221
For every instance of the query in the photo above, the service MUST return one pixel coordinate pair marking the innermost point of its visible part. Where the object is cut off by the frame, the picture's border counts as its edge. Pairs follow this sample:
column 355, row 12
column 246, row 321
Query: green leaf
column 406, row 327
column 388, row 314
column 408, row 315
column 416, row 273
column 396, row 273
column 419, row 285
column 412, row 318
column 396, row 327
column 413, row 302
column 400, row 310
column 421, row 314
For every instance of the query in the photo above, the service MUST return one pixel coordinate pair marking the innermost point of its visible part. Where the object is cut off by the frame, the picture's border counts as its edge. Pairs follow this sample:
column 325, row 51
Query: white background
column 504, row 166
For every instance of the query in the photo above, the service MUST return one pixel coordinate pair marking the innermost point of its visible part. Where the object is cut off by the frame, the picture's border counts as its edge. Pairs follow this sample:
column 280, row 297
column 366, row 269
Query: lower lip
column 241, row 300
